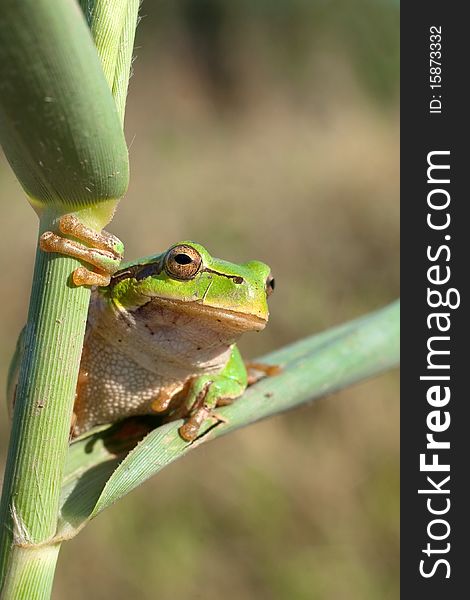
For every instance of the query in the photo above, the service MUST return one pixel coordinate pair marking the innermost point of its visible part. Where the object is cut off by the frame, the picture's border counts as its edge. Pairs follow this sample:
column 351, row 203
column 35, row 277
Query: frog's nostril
column 270, row 284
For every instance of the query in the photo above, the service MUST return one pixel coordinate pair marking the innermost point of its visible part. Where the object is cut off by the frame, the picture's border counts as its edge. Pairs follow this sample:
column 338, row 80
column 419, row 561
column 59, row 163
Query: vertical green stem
column 42, row 416
column 124, row 57
column 31, row 574
column 62, row 135
column 112, row 24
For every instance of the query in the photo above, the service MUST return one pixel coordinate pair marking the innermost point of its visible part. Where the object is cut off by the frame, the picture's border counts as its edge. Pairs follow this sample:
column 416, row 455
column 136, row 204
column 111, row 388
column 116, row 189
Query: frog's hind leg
column 102, row 250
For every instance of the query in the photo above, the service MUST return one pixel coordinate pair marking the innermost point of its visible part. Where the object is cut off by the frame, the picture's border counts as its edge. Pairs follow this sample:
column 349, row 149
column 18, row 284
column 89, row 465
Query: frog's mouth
column 226, row 317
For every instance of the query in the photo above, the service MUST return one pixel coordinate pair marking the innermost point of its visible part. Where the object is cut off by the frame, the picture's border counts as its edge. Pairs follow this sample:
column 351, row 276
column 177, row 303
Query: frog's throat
column 230, row 318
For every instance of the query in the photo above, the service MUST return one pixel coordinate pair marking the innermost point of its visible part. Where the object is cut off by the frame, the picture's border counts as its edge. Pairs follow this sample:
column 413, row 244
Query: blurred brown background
column 268, row 130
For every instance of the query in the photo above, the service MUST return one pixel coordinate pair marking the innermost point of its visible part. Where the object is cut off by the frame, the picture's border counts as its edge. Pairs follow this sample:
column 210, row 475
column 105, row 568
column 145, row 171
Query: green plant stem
column 43, row 409
column 59, row 126
column 32, row 573
column 61, row 133
column 122, row 71
column 369, row 348
column 112, row 24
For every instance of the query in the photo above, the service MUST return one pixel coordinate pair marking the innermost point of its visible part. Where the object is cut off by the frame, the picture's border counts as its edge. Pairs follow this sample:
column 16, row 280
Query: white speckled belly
column 129, row 359
column 112, row 386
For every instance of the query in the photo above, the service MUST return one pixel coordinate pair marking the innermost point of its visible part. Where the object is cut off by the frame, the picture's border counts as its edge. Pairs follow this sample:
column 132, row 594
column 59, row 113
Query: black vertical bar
column 424, row 246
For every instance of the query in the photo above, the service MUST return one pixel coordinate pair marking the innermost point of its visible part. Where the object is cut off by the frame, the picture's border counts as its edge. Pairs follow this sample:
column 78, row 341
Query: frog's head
column 189, row 278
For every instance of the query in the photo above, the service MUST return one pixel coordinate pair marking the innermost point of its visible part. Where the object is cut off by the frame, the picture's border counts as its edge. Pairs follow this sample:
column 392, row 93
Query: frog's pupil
column 183, row 259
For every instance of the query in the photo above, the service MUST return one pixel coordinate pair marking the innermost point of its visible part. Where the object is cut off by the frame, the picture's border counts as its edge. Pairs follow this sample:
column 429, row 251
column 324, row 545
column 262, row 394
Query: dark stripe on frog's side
column 139, row 272
column 236, row 278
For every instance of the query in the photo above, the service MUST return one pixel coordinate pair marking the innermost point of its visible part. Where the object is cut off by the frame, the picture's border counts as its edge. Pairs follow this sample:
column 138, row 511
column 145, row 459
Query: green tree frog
column 161, row 336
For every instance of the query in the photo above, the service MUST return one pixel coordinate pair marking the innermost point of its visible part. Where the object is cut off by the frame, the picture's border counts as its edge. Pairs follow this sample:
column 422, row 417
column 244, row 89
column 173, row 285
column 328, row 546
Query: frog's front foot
column 102, row 250
column 190, row 429
column 199, row 405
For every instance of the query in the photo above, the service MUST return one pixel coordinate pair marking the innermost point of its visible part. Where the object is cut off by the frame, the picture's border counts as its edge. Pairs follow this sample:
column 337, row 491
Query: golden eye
column 270, row 285
column 182, row 262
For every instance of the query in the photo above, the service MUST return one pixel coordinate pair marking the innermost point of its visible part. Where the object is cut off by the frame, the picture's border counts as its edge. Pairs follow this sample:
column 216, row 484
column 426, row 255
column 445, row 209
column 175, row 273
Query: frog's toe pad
column 82, row 276
column 257, row 371
column 188, row 431
column 100, row 254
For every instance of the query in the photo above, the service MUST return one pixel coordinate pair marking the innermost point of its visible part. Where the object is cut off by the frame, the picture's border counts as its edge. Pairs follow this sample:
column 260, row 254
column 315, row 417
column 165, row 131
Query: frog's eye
column 182, row 262
column 270, row 285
